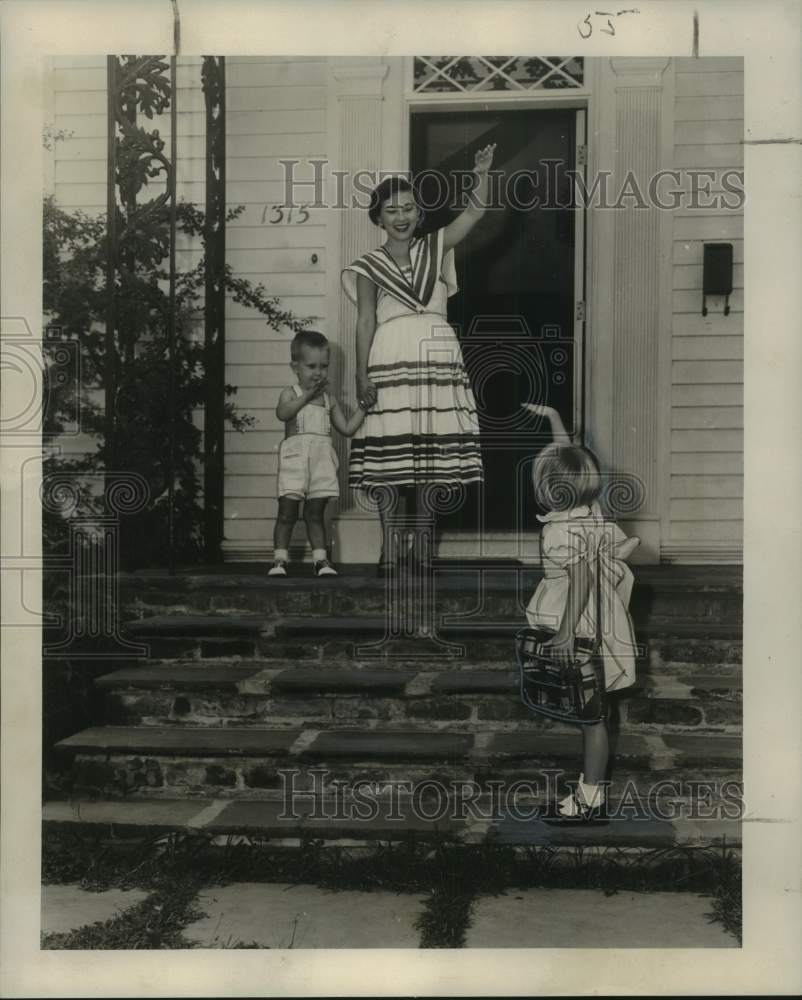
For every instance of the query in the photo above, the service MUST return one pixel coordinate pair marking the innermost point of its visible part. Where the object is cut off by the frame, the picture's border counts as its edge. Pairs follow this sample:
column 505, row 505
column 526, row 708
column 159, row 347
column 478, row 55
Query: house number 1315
column 289, row 215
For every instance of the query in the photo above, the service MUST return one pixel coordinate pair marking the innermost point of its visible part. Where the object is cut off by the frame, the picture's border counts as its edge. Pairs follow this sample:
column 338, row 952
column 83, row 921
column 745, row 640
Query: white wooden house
column 656, row 386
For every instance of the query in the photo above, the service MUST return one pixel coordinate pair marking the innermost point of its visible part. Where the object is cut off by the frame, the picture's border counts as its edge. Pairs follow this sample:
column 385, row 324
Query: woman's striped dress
column 423, row 427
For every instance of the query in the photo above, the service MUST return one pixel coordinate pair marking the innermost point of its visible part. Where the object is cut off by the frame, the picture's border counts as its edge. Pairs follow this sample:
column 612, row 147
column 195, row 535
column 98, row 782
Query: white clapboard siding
column 255, row 352
column 722, row 509
column 705, row 156
column 707, row 418
column 702, row 396
column 705, row 226
column 697, row 487
column 703, row 440
column 703, row 531
column 706, row 475
column 708, row 109
column 273, row 377
column 726, row 132
column 703, row 348
column 255, row 486
column 700, row 464
column 254, row 329
column 269, row 237
column 276, row 110
column 247, row 465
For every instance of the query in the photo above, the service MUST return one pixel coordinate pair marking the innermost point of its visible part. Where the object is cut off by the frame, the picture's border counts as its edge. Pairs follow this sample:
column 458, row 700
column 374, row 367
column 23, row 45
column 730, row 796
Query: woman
column 421, row 427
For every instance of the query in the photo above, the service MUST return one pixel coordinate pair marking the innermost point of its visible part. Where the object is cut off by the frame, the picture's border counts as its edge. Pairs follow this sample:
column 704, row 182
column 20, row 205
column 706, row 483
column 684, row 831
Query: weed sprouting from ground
column 728, row 895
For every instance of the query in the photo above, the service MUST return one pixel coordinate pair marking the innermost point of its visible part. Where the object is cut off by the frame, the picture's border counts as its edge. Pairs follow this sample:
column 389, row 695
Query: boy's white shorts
column 307, row 467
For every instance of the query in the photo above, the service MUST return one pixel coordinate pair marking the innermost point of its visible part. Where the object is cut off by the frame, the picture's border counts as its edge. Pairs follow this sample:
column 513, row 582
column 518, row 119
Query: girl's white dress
column 569, row 537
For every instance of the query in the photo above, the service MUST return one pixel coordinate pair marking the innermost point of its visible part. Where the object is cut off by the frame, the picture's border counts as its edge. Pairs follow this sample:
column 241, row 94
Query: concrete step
column 329, row 818
column 228, row 761
column 471, row 698
column 500, row 591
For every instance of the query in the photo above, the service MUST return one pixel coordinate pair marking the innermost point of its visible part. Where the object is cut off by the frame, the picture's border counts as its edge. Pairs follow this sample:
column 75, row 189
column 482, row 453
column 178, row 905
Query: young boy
column 307, row 462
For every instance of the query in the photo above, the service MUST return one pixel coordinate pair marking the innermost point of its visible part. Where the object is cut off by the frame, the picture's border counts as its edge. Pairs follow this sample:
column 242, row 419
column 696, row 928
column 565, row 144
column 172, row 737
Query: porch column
column 214, row 244
column 628, row 320
column 359, row 148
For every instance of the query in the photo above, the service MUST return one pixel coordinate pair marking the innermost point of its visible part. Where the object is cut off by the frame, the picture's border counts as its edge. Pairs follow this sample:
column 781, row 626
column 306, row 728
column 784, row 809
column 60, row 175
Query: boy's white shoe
column 324, row 568
column 279, row 568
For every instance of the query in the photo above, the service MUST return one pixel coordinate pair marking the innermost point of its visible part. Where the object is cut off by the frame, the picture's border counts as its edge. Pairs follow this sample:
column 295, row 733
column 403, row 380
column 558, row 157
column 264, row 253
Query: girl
column 567, row 483
column 421, row 426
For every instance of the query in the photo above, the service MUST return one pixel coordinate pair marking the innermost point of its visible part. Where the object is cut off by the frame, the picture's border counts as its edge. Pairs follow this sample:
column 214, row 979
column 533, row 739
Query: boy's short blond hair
column 565, row 476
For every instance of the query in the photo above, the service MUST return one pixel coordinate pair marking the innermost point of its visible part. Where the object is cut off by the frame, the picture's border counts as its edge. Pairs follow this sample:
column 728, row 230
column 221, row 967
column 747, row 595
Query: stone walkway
column 68, row 907
column 279, row 916
column 302, row 916
column 585, row 918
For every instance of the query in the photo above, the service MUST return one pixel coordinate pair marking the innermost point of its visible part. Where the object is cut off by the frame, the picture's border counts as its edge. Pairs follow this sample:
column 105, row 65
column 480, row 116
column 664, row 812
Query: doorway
column 518, row 311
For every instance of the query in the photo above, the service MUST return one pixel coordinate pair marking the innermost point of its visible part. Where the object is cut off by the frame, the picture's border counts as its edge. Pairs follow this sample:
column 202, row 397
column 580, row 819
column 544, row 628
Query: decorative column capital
column 639, row 71
column 358, row 79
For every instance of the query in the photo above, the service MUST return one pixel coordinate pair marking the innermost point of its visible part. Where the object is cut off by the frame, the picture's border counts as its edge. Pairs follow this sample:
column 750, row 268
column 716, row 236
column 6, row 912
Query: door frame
column 606, row 81
column 357, row 530
column 502, row 542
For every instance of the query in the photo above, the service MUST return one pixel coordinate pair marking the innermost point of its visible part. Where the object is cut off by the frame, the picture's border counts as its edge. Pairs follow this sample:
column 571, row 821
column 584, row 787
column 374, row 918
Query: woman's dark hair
column 386, row 189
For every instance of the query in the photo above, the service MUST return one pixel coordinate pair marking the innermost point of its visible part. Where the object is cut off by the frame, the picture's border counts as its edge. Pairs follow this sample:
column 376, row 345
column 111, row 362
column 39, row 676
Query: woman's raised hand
column 484, row 158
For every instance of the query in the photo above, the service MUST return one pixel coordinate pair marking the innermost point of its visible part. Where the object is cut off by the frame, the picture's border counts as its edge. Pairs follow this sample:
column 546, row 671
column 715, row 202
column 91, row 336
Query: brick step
column 476, row 628
column 482, row 819
column 467, row 699
column 366, row 639
column 170, row 761
column 501, row 591
column 716, row 657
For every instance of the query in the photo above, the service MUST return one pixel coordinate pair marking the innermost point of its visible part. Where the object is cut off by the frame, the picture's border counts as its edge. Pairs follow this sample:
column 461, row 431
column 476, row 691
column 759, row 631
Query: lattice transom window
column 469, row 74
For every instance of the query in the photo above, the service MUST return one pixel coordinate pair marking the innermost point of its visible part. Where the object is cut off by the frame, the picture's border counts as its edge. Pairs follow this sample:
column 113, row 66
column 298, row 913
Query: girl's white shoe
column 585, row 804
column 279, row 568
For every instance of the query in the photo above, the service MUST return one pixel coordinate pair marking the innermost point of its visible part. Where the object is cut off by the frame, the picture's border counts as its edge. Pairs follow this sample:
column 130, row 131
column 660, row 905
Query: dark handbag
column 572, row 692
